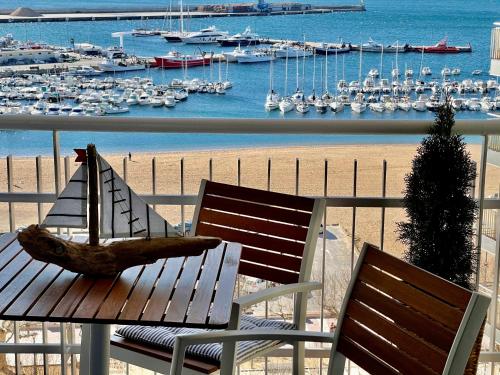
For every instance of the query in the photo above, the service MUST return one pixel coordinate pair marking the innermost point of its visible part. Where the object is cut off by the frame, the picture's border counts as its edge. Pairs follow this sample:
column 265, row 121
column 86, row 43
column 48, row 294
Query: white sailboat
column 272, row 98
column 286, row 103
column 114, row 211
column 336, row 105
column 359, row 105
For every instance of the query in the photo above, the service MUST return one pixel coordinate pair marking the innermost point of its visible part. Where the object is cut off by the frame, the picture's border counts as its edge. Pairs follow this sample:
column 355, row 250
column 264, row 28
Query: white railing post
column 482, row 182
column 10, row 189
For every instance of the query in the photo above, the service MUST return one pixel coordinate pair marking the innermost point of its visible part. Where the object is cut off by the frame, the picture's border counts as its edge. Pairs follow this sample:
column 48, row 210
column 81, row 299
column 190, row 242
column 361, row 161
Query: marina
column 324, row 77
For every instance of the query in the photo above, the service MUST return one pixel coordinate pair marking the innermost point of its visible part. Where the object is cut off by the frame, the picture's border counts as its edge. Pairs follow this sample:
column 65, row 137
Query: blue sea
column 385, row 21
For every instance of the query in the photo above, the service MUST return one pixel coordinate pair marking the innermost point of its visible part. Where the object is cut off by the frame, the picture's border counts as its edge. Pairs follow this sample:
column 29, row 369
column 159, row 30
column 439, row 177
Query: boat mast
column 93, row 195
column 286, row 73
column 336, row 74
column 304, row 67
column 360, row 62
column 381, row 62
column 297, row 70
column 182, row 18
column 314, row 69
column 326, row 70
column 397, row 65
column 421, row 65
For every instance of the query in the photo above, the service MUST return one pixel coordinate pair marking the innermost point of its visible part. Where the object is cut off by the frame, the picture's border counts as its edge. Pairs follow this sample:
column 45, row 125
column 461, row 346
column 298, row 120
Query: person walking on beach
column 130, row 156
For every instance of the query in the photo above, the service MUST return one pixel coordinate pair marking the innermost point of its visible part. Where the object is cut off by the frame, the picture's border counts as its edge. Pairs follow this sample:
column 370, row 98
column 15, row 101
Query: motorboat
column 77, row 111
column 442, row 47
column 477, row 72
column 473, row 104
column 84, row 70
column 114, row 110
column 232, row 56
column 169, row 100
column 174, row 36
column 332, row 49
column 445, row 72
column 426, row 71
column 246, row 38
column 373, row 73
column 292, row 51
column 181, row 95
column 255, row 56
column 204, row 36
column 372, row 46
column 141, row 32
column 175, row 59
column 87, row 49
column 455, row 71
column 377, row 107
column 121, row 65
column 458, row 104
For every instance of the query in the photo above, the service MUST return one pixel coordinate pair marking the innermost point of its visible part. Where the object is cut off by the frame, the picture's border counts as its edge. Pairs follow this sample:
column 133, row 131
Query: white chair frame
column 455, row 363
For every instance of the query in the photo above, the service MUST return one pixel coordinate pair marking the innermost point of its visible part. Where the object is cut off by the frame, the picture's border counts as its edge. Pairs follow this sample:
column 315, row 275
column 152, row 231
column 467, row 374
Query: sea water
column 385, row 21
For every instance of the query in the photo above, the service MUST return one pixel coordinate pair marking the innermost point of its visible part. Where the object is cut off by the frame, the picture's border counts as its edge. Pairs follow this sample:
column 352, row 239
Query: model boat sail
column 122, row 214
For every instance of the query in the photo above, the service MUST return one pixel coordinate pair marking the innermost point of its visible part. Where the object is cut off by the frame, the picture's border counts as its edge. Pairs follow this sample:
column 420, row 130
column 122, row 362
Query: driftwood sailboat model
column 122, row 214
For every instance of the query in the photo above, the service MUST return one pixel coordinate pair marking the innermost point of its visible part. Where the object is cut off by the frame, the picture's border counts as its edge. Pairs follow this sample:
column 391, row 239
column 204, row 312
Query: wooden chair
column 396, row 319
column 278, row 233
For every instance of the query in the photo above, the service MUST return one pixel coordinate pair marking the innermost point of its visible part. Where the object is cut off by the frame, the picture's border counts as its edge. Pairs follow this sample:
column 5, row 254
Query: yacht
column 254, row 56
column 245, row 38
column 233, row 55
column 377, row 107
column 84, row 70
column 337, row 106
column 286, row 49
column 204, row 36
column 272, row 101
column 419, row 104
column 121, row 65
column 455, row 71
column 445, row 72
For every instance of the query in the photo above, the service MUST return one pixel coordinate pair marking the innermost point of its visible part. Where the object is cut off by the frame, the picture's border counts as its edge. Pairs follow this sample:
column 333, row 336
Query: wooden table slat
column 6, row 239
column 9, row 253
column 15, row 266
column 161, row 295
column 90, row 304
column 34, row 290
column 187, row 291
column 184, row 290
column 17, row 285
column 73, row 297
column 198, row 311
column 142, row 290
column 115, row 300
column 221, row 308
column 51, row 297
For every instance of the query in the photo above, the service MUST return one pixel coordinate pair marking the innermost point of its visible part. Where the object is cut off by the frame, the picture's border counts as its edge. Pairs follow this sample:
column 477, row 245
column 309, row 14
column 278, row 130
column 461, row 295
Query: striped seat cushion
column 164, row 337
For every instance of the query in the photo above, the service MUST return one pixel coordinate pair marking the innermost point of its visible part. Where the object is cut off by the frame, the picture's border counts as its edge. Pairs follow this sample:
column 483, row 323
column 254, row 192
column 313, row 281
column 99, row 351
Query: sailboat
column 286, row 104
column 358, row 105
column 272, row 98
column 123, row 214
column 336, row 105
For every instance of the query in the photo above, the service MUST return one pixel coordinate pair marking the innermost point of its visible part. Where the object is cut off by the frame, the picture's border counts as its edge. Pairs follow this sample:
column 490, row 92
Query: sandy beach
column 254, row 163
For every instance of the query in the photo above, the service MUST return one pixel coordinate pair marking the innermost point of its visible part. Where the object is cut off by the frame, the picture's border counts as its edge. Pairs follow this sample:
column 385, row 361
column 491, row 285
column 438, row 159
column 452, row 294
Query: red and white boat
column 175, row 59
column 443, row 47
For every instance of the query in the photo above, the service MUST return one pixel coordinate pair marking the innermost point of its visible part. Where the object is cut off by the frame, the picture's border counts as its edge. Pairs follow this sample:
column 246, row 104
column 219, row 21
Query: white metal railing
column 488, row 130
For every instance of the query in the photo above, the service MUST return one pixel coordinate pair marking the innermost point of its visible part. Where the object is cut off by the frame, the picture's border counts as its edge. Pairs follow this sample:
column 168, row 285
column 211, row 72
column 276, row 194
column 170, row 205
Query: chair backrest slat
column 273, row 228
column 422, row 325
column 399, row 318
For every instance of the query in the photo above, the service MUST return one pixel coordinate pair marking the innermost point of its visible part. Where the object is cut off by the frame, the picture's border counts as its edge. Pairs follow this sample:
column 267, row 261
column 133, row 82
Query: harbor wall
column 195, row 11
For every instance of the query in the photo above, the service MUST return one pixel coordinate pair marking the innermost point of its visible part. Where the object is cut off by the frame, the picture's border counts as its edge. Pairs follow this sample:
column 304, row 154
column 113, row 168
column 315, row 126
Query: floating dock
column 106, row 14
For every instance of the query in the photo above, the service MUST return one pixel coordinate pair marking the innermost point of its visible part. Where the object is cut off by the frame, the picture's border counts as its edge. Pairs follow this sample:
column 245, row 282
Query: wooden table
column 186, row 291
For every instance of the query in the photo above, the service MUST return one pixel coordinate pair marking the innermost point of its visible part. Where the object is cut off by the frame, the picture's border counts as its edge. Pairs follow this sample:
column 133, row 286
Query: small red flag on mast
column 81, row 155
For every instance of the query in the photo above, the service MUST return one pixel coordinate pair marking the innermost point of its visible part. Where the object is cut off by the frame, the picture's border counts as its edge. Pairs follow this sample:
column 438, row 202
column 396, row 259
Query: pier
column 202, row 11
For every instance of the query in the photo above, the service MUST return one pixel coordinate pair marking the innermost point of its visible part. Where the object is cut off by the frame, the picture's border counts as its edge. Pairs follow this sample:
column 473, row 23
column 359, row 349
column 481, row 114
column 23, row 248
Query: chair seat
column 164, row 337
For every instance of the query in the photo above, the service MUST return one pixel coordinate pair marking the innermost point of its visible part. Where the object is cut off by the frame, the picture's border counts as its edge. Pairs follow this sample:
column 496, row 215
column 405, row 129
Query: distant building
column 28, row 56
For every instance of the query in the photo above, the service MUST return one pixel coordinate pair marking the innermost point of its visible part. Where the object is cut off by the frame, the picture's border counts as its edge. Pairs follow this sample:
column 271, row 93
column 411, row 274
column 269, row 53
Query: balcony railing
column 64, row 347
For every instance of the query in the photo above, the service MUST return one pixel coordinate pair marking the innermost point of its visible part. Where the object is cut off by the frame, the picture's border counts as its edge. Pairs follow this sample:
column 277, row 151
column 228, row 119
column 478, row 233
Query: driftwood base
column 108, row 260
